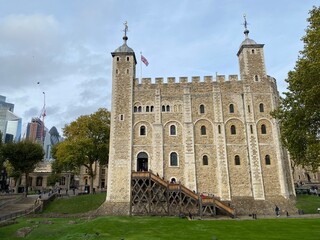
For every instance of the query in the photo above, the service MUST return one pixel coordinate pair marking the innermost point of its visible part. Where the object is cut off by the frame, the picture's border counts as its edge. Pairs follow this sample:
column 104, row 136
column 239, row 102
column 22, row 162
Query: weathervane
column 246, row 31
column 125, row 28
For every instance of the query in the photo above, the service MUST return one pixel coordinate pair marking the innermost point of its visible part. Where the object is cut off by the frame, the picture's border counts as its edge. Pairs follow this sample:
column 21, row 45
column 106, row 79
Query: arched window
column 237, row 160
column 263, row 129
column 173, row 130
column 151, row 109
column 203, row 130
column 231, row 108
column 261, row 107
column 173, row 159
column 233, row 130
column 201, row 108
column 168, row 108
column 118, row 59
column 256, row 78
column 128, row 59
column 205, row 160
column 252, row 51
column 135, row 109
column 147, row 108
column 163, row 108
column 139, row 109
column 267, row 159
column 142, row 130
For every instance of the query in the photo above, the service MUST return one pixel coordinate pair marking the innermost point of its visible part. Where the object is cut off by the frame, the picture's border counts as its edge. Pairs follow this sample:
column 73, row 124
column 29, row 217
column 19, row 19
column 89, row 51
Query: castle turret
column 120, row 153
column 251, row 59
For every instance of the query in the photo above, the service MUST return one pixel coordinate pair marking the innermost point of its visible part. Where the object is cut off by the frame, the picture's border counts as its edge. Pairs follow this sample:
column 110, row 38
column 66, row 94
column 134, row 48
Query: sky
column 58, row 53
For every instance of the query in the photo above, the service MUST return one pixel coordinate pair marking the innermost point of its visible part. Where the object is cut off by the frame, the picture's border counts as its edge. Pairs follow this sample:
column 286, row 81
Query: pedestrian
column 277, row 210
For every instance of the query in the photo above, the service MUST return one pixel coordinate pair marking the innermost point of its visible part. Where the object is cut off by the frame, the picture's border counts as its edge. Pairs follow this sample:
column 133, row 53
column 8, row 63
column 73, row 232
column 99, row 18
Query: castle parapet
column 146, row 81
column 221, row 78
column 233, row 77
column 196, row 79
column 183, row 79
column 159, row 80
column 171, row 80
column 208, row 79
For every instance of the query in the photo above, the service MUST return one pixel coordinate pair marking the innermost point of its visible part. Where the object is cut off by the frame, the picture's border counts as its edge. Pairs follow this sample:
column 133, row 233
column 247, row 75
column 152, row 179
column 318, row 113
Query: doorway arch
column 142, row 162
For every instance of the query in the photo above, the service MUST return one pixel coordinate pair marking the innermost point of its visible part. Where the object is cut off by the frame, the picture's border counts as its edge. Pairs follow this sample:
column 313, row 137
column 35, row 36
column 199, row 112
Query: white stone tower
column 120, row 153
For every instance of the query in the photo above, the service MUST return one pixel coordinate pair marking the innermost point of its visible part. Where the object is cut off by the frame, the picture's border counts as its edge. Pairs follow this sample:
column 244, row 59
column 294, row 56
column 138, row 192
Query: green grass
column 132, row 228
column 308, row 203
column 77, row 204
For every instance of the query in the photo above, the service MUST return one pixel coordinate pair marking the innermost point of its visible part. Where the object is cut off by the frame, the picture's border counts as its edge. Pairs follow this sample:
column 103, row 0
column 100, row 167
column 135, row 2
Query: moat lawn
column 131, row 228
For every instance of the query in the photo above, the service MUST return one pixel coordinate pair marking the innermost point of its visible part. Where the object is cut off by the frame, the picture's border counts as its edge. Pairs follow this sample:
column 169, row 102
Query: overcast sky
column 65, row 46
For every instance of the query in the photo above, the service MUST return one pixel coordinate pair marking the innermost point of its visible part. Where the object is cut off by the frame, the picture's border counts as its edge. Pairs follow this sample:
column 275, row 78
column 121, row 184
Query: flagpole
column 140, row 67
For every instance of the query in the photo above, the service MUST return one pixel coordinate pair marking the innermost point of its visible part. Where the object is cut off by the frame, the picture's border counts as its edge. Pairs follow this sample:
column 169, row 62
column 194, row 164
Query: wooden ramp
column 151, row 195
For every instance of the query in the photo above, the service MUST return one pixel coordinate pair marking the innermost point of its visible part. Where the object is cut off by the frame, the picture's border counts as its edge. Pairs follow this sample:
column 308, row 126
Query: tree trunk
column 91, row 179
column 26, row 184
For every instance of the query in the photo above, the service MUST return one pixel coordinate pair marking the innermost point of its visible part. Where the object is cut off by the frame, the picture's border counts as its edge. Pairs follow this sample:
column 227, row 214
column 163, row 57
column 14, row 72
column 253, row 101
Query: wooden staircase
column 151, row 195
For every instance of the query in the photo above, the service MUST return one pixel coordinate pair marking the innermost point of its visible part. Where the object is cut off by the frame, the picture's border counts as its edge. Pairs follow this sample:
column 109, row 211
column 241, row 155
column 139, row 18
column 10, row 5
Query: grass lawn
column 309, row 203
column 131, row 228
column 77, row 204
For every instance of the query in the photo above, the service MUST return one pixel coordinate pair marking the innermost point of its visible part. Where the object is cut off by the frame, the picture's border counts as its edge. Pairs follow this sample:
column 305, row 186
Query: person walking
column 277, row 210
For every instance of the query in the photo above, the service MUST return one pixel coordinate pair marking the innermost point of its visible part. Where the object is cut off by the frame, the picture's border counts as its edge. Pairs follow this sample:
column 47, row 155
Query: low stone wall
column 247, row 205
column 114, row 208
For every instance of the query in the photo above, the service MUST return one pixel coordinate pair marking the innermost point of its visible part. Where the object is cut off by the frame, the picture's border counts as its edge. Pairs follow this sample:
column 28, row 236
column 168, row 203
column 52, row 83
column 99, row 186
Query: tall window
column 135, row 109
column 263, row 129
column 261, row 107
column 163, row 108
column 62, row 181
column 168, row 108
column 203, row 130
column 237, row 160
column 219, row 129
column 39, row 181
column 205, row 160
column 173, row 130
column 173, row 159
column 151, row 109
column 231, row 108
column 147, row 109
column 256, row 78
column 139, row 109
column 233, row 130
column 142, row 131
column 267, row 159
column 201, row 108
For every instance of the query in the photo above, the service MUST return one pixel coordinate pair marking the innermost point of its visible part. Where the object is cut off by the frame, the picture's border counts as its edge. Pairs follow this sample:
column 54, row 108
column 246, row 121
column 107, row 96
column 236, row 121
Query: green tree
column 86, row 143
column 299, row 111
column 23, row 157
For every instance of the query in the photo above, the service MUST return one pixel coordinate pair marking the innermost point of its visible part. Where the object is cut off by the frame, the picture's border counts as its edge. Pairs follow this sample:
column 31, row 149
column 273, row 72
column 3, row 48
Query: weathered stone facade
column 213, row 135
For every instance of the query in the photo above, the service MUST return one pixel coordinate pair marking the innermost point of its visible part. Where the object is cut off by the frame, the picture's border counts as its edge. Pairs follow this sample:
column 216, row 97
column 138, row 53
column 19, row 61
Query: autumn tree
column 23, row 157
column 86, row 144
column 299, row 111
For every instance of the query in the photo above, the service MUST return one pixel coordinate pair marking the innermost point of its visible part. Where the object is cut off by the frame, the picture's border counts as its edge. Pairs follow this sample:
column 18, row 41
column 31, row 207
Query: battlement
column 184, row 80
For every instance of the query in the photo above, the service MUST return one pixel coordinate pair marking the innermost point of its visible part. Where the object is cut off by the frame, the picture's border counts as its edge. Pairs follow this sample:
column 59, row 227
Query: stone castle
column 214, row 136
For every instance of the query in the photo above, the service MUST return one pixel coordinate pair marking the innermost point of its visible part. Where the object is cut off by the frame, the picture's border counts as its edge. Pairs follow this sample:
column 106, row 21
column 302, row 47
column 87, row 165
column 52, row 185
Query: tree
column 86, row 143
column 23, row 157
column 299, row 111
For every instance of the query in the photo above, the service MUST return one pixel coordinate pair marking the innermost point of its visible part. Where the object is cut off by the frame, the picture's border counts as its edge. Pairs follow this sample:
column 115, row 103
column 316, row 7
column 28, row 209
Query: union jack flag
column 144, row 60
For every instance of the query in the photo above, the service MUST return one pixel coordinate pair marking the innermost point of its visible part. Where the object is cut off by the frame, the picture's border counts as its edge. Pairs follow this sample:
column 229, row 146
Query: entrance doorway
column 142, row 162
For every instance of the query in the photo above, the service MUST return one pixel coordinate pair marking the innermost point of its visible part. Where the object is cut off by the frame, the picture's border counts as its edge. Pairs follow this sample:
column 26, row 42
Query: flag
column 144, row 60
